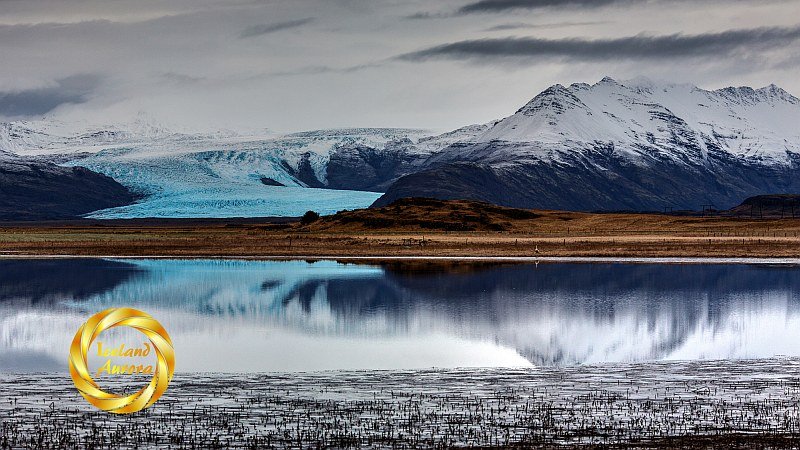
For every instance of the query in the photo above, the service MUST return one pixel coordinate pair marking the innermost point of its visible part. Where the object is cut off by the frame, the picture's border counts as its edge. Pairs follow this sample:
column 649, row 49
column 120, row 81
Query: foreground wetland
column 416, row 353
column 713, row 404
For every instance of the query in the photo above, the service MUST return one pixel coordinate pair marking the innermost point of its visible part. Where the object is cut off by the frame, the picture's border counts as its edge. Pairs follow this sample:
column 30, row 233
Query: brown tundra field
column 417, row 227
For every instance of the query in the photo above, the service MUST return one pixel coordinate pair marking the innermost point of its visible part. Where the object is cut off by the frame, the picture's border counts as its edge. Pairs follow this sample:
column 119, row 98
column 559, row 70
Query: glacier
column 212, row 175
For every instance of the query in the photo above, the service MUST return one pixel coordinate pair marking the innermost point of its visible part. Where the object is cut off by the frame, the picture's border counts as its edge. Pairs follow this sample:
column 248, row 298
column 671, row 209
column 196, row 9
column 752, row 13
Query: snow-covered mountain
column 631, row 145
column 624, row 145
column 48, row 136
column 641, row 118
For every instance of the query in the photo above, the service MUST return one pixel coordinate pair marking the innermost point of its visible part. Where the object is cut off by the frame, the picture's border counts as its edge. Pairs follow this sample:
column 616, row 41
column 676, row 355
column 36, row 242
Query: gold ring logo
column 117, row 317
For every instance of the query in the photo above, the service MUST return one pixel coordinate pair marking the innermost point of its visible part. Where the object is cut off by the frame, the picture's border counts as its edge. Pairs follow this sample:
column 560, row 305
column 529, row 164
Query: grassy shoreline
column 420, row 228
column 261, row 241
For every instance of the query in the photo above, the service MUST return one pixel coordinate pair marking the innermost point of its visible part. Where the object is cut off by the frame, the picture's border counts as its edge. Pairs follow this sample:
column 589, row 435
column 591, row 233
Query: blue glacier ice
column 241, row 201
column 217, row 179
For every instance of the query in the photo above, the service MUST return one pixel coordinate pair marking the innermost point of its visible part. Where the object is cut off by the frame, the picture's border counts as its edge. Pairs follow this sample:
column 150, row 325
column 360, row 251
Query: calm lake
column 285, row 316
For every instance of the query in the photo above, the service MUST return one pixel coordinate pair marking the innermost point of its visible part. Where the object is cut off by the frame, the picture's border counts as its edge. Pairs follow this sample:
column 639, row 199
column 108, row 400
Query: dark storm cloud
column 71, row 90
column 633, row 47
column 499, row 6
column 264, row 28
column 484, row 6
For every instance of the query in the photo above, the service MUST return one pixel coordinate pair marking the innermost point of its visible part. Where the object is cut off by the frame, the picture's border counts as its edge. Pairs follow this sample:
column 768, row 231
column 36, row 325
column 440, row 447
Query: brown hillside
column 420, row 215
column 428, row 214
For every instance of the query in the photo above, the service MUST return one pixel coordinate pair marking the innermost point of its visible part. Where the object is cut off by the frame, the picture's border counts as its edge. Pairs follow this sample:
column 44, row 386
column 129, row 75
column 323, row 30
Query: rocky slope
column 36, row 190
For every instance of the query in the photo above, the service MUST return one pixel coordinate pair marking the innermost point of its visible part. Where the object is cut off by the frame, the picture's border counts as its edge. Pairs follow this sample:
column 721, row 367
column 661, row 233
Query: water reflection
column 48, row 281
column 297, row 315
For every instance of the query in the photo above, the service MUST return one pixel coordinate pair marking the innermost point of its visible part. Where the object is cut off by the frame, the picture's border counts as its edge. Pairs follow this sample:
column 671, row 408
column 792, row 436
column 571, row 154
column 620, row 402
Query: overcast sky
column 291, row 65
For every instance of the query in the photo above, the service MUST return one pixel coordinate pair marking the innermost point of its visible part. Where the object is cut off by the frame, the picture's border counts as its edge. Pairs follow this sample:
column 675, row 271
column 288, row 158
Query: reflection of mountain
column 50, row 280
column 567, row 313
column 552, row 314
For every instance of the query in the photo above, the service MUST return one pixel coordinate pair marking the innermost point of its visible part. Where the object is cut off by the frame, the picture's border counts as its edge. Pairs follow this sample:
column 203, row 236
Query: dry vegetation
column 716, row 404
column 419, row 228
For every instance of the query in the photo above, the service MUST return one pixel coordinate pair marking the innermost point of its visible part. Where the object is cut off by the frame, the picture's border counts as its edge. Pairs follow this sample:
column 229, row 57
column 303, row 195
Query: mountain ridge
column 612, row 146
column 39, row 190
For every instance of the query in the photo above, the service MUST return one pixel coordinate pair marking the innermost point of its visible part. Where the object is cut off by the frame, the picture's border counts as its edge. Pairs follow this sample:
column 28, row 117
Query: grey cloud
column 428, row 15
column 181, row 78
column 263, row 28
column 70, row 90
column 317, row 70
column 183, row 60
column 520, row 26
column 633, row 47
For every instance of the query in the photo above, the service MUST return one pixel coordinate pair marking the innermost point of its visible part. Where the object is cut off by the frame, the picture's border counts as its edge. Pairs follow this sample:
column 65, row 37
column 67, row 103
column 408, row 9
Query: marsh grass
column 753, row 404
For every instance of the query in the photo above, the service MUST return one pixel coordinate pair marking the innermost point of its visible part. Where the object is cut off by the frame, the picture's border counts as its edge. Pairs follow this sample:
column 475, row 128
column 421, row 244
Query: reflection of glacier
column 553, row 314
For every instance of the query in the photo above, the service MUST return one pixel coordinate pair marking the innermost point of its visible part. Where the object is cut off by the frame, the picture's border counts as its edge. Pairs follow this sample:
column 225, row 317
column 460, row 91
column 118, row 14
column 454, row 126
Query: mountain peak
column 776, row 92
column 608, row 80
column 748, row 95
column 556, row 98
column 640, row 81
column 641, row 118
